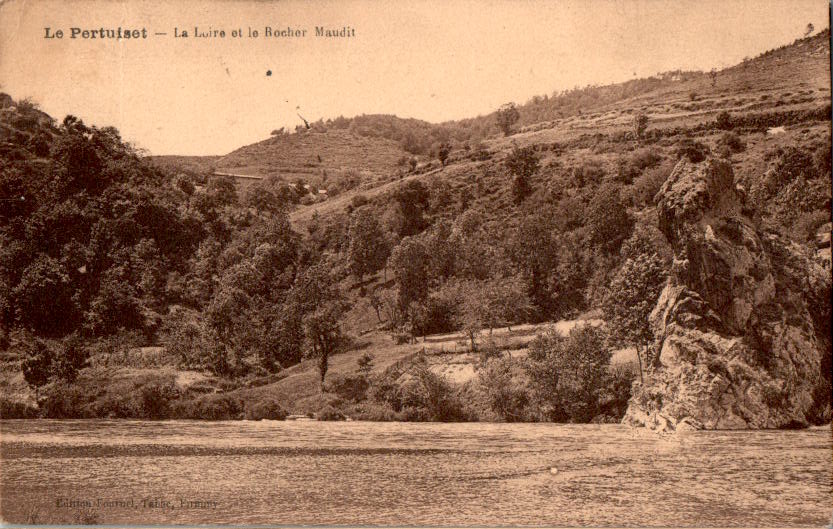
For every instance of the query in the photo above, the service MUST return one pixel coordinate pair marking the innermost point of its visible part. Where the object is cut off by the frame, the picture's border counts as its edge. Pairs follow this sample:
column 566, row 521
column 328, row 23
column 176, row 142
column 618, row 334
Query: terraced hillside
column 315, row 157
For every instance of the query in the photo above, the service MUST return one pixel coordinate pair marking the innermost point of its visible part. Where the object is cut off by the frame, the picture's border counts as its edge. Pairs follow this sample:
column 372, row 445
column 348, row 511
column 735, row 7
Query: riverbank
column 436, row 379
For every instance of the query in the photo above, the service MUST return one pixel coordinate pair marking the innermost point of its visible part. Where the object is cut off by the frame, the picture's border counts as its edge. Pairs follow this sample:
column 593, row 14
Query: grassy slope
column 312, row 154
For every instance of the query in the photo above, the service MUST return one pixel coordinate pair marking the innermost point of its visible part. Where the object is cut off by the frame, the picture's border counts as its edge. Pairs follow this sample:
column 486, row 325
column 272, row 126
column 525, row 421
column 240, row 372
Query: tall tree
column 631, row 297
column 409, row 263
column 522, row 163
column 506, row 116
column 369, row 248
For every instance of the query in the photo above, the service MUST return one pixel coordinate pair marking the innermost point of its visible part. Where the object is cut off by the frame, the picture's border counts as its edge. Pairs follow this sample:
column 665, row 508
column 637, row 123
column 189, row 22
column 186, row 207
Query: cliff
column 742, row 331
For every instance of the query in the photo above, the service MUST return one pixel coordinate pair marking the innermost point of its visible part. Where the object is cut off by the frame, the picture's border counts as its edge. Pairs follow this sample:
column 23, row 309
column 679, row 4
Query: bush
column 329, row 413
column 731, row 142
column 65, row 401
column 646, row 186
column 441, row 402
column 633, row 166
column 793, row 162
column 386, row 391
column 723, row 121
column 591, row 173
column 695, row 151
column 210, row 407
column 569, row 376
column 268, row 409
column 506, row 396
column 14, row 409
column 349, row 387
column 155, row 399
column 822, row 159
column 368, row 411
column 807, row 224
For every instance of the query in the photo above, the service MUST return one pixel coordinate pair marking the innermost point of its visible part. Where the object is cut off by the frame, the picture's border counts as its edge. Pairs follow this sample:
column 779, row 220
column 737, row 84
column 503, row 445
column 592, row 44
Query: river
column 362, row 473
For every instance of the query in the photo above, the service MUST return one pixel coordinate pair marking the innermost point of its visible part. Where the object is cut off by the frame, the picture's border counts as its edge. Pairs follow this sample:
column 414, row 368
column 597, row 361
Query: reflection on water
column 418, row 474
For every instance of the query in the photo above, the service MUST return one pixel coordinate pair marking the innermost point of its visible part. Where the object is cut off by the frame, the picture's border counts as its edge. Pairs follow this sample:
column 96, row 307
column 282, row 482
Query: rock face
column 740, row 331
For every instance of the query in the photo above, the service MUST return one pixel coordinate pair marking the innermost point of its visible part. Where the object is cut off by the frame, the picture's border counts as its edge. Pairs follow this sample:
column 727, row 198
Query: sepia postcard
column 462, row 263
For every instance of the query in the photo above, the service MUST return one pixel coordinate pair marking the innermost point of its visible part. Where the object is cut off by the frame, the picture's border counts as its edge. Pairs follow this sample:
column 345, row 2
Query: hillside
column 244, row 302
column 368, row 150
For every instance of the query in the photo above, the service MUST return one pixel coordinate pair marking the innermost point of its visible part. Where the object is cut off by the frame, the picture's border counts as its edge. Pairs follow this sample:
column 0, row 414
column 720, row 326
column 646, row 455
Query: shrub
column 569, row 375
column 615, row 395
column 822, row 160
column 210, row 407
column 155, row 399
column 65, row 401
column 608, row 218
column 632, row 167
column 640, row 124
column 807, row 224
column 794, row 162
column 507, row 397
column 480, row 153
column 522, row 164
column 267, row 409
column 386, row 391
column 646, row 186
column 723, row 121
column 349, row 387
column 14, row 409
column 329, row 413
column 115, row 405
column 731, row 142
column 693, row 150
column 441, row 402
column 591, row 173
column 369, row 411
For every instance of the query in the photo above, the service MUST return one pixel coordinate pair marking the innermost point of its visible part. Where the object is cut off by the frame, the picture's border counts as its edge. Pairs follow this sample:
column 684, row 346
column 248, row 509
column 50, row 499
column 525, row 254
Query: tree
column 317, row 297
column 640, row 124
column 369, row 249
column 506, row 397
column 631, row 297
column 365, row 363
column 375, row 300
column 569, row 375
column 324, row 333
column 413, row 199
column 536, row 267
column 506, row 116
column 72, row 359
column 489, row 303
column 443, row 151
column 409, row 263
column 507, row 302
column 522, row 164
column 608, row 218
column 37, row 367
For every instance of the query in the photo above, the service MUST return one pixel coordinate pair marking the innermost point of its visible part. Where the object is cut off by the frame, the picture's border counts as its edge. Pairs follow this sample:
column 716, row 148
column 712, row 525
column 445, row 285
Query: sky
column 433, row 60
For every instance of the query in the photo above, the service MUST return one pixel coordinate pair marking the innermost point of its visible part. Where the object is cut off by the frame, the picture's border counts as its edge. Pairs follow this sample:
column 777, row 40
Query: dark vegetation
column 117, row 275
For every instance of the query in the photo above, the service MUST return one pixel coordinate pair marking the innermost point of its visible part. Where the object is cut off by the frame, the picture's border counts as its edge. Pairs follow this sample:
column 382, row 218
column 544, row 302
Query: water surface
column 184, row 472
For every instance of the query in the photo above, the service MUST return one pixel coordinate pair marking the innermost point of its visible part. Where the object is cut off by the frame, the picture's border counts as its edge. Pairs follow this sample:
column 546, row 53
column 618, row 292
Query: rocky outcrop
column 739, row 328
